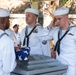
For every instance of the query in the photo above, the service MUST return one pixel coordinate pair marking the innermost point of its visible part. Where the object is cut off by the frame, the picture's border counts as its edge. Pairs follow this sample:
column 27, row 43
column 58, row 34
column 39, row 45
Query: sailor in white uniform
column 7, row 54
column 17, row 34
column 64, row 36
column 12, row 36
column 29, row 33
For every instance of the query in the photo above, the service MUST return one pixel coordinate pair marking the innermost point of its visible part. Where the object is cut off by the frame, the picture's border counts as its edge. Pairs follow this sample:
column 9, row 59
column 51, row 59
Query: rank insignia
column 35, row 31
column 70, row 34
column 44, row 42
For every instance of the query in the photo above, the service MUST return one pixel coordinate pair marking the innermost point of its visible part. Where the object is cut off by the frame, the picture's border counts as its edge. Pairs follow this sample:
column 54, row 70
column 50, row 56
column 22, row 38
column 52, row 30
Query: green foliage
column 35, row 0
column 68, row 3
column 75, row 4
column 64, row 2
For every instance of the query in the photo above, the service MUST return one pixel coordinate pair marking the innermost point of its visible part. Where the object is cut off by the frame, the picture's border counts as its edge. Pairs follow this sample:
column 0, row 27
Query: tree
column 68, row 3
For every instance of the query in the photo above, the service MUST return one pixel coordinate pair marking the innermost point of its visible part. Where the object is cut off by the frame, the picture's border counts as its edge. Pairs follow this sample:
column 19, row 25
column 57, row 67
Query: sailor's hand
column 17, row 48
column 53, row 23
column 53, row 54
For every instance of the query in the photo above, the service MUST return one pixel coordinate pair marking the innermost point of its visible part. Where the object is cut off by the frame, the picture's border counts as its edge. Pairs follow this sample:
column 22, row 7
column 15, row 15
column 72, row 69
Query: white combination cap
column 34, row 11
column 61, row 11
column 4, row 12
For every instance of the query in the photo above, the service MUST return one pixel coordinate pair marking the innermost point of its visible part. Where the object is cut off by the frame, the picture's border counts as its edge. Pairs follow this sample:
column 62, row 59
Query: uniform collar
column 71, row 24
column 1, row 31
column 35, row 24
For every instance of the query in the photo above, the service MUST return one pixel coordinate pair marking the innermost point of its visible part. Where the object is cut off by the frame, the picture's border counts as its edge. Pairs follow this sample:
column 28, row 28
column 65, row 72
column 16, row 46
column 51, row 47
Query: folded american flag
column 22, row 53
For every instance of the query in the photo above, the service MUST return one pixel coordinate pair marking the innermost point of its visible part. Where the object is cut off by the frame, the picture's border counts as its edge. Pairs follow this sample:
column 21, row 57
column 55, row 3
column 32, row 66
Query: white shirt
column 35, row 44
column 18, row 37
column 7, row 55
column 12, row 36
column 67, row 46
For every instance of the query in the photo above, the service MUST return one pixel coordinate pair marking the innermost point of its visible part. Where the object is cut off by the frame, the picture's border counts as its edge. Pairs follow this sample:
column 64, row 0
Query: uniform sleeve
column 46, row 50
column 22, row 35
column 45, row 34
column 8, row 58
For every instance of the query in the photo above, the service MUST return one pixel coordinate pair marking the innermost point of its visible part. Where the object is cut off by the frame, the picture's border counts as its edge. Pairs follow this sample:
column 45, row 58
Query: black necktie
column 27, row 36
column 57, row 46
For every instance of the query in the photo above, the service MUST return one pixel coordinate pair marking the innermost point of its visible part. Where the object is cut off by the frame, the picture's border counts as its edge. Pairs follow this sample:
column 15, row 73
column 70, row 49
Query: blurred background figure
column 17, row 34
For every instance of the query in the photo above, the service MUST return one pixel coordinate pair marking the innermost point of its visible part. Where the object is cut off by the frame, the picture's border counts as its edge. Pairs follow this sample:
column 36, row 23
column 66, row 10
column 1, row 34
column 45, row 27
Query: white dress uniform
column 36, row 46
column 67, row 46
column 18, row 37
column 12, row 36
column 7, row 55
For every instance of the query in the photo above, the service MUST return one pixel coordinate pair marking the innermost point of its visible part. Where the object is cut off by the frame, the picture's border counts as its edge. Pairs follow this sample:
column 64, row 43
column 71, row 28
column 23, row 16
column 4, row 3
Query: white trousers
column 71, row 70
column 71, row 66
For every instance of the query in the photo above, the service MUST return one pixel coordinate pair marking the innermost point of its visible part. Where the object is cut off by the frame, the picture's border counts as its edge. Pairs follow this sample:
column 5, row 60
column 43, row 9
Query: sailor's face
column 30, row 18
column 7, row 23
column 60, row 20
column 16, row 29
